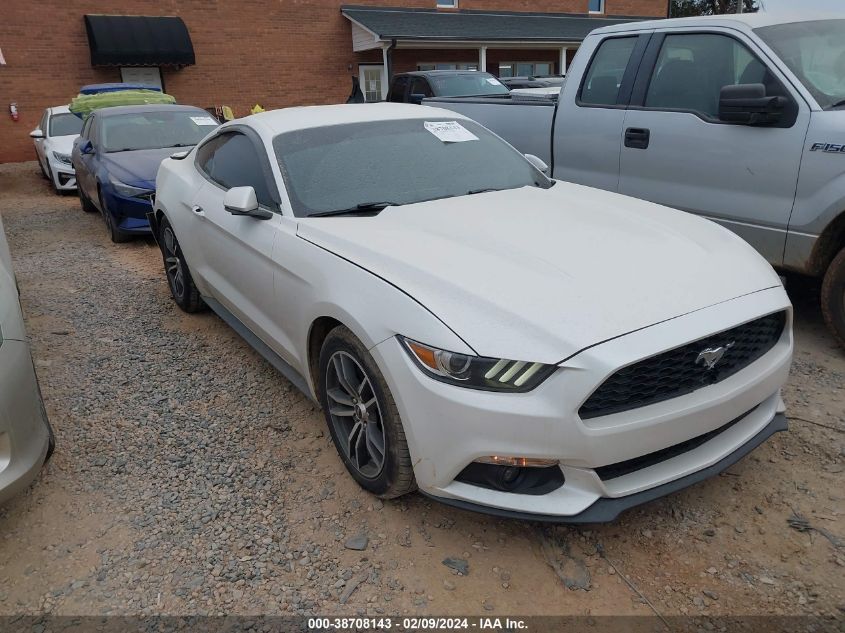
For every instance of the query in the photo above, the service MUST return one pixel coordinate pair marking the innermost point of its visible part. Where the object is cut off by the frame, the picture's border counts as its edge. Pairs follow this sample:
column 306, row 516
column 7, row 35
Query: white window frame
column 447, row 4
column 134, row 74
column 601, row 7
column 381, row 67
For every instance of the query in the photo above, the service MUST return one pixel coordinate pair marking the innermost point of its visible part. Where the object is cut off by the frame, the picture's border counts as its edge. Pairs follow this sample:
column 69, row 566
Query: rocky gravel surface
column 190, row 478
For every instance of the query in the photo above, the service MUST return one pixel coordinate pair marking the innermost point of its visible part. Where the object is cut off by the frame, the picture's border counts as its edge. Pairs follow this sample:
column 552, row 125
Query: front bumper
column 449, row 427
column 24, row 428
column 63, row 174
column 130, row 214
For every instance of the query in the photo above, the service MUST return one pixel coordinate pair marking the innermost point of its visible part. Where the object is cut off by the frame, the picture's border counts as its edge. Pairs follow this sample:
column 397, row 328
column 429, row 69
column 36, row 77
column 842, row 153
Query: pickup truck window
column 470, row 84
column 380, row 163
column 604, row 76
column 815, row 53
column 693, row 68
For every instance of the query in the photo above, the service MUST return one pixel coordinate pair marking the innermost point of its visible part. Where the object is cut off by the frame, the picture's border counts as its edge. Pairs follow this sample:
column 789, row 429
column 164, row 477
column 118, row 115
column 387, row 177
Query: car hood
column 533, row 274
column 61, row 144
column 138, row 167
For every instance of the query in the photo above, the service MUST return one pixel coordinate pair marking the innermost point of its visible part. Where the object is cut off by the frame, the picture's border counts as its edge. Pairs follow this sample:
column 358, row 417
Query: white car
column 53, row 140
column 470, row 327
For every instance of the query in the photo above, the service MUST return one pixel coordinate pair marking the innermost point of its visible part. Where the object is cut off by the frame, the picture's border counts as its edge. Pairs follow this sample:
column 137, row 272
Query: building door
column 372, row 81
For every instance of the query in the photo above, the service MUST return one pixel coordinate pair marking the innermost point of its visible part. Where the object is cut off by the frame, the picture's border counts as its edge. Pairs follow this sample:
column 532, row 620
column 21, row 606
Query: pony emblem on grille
column 712, row 355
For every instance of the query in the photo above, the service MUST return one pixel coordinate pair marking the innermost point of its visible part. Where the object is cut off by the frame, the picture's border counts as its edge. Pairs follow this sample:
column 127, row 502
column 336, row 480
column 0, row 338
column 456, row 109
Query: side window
column 44, row 122
column 93, row 135
column 604, row 76
column 692, row 69
column 419, row 86
column 397, row 92
column 231, row 160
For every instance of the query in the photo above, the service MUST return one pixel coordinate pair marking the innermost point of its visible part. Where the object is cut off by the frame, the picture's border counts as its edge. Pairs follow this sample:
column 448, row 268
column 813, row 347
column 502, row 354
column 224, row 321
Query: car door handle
column 198, row 210
column 637, row 137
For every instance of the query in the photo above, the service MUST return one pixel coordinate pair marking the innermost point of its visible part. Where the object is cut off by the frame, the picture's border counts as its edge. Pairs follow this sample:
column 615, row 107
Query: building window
column 448, row 66
column 147, row 75
column 525, row 69
column 447, row 4
column 596, row 6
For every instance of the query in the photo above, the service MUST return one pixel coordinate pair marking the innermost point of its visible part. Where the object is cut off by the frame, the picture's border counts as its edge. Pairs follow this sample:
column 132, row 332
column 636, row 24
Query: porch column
column 385, row 70
column 562, row 66
column 482, row 59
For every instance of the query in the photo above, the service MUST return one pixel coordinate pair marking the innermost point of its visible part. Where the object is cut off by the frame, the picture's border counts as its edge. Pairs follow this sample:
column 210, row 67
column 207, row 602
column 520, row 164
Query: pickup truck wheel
column 182, row 287
column 833, row 297
column 362, row 417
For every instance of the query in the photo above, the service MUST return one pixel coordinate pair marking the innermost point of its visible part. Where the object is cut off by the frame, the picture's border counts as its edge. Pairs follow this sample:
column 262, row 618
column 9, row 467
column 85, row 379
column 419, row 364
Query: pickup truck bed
column 529, row 129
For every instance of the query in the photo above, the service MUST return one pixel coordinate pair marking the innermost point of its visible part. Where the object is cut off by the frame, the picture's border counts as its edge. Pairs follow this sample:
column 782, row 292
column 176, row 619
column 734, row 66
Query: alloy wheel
column 173, row 263
column 355, row 414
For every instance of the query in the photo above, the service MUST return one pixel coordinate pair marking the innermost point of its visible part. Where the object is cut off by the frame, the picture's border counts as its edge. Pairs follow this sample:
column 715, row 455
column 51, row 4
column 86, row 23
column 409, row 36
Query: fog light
column 517, row 462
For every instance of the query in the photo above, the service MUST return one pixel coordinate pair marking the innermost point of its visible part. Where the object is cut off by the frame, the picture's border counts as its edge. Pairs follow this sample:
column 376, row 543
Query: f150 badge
column 830, row 148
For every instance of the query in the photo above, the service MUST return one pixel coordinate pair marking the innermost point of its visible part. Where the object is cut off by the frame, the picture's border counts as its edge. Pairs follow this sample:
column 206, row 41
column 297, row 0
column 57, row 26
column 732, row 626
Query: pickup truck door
column 677, row 152
column 586, row 139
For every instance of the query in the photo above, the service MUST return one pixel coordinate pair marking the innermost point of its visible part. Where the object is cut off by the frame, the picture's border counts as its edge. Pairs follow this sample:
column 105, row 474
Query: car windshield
column 815, row 53
column 364, row 165
column 154, row 130
column 467, row 85
column 65, row 124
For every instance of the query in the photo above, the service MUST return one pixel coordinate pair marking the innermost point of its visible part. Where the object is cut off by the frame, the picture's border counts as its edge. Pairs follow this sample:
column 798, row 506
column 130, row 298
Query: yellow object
column 228, row 115
column 256, row 109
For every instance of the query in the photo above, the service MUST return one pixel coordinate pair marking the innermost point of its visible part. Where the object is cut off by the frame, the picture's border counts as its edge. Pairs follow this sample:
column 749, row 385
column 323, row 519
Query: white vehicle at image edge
column 499, row 340
column 53, row 139
column 26, row 439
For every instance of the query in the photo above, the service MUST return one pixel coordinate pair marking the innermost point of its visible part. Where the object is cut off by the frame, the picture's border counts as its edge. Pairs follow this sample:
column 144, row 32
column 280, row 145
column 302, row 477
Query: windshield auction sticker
column 203, row 120
column 450, row 131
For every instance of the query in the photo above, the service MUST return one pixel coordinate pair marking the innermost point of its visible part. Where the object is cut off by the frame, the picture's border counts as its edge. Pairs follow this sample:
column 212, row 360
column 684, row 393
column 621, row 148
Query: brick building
column 276, row 52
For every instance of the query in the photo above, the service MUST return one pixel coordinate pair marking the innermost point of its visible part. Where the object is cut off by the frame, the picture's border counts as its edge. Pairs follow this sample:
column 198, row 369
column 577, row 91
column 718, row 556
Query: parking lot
column 190, row 477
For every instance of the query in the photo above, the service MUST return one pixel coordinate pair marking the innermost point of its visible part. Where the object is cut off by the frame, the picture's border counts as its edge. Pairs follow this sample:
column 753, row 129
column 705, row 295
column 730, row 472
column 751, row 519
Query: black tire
column 41, row 166
column 117, row 236
column 394, row 476
column 833, row 297
column 51, row 444
column 86, row 204
column 179, row 279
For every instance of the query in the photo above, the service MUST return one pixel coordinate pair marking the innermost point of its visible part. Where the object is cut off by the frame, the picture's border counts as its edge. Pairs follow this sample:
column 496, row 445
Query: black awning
column 474, row 25
column 138, row 40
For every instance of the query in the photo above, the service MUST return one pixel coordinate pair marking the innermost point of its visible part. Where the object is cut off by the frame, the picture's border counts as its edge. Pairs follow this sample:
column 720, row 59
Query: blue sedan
column 117, row 155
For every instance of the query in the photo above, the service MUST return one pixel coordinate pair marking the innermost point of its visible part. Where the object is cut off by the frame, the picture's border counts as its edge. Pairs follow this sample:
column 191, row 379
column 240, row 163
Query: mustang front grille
column 685, row 369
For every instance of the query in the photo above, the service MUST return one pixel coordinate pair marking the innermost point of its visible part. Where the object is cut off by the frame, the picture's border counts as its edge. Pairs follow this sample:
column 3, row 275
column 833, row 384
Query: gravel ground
column 190, row 478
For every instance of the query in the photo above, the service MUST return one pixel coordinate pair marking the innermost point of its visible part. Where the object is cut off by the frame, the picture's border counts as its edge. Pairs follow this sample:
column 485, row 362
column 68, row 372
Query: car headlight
column 477, row 372
column 62, row 158
column 128, row 190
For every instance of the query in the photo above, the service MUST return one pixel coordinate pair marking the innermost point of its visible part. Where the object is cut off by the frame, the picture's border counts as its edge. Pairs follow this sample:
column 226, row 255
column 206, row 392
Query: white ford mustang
column 471, row 328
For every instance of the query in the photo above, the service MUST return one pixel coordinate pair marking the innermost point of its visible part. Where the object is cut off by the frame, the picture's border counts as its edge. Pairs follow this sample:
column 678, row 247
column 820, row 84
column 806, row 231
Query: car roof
column 730, row 20
column 275, row 122
column 63, row 109
column 435, row 73
column 152, row 107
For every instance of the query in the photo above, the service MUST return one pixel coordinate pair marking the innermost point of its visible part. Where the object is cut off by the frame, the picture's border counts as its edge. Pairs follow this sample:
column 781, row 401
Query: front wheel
column 182, row 287
column 362, row 417
column 117, row 236
column 833, row 297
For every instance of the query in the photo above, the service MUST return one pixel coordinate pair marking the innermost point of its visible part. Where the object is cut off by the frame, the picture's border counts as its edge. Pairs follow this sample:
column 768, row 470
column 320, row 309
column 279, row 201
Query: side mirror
column 242, row 201
column 86, row 147
column 416, row 98
column 747, row 104
column 538, row 162
column 37, row 133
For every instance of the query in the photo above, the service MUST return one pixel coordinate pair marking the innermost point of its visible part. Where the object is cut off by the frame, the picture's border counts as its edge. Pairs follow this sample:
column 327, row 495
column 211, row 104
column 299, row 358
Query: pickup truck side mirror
column 747, row 104
column 86, row 147
column 416, row 98
column 538, row 162
column 37, row 133
column 242, row 201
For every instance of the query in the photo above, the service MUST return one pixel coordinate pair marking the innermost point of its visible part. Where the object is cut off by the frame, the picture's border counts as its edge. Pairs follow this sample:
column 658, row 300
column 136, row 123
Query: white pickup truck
column 738, row 118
